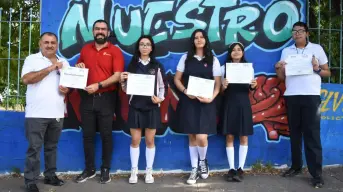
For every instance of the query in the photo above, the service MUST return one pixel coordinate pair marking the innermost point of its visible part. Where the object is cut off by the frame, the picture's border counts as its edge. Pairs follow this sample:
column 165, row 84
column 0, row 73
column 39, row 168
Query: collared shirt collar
column 40, row 54
column 309, row 44
column 198, row 57
column 106, row 46
column 144, row 62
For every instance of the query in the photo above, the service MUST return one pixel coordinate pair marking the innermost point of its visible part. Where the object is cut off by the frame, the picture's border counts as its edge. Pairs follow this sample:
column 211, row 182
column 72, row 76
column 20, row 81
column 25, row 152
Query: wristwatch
column 100, row 85
column 318, row 71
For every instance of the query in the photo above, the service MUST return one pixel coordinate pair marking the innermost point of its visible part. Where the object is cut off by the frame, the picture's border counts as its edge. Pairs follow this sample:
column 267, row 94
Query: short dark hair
column 48, row 34
column 301, row 24
column 101, row 21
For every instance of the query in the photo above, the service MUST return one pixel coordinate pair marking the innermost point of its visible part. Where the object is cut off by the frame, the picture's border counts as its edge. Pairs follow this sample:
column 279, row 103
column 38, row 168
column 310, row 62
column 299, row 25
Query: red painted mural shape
column 267, row 102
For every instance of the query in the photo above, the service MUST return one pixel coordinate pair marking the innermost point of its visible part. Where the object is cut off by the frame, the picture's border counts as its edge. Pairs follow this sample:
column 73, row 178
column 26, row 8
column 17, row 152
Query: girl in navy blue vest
column 144, row 111
column 236, row 115
column 197, row 115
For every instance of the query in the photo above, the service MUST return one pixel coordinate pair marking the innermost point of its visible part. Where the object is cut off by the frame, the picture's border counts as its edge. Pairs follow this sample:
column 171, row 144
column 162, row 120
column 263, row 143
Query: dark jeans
column 304, row 123
column 97, row 111
column 41, row 131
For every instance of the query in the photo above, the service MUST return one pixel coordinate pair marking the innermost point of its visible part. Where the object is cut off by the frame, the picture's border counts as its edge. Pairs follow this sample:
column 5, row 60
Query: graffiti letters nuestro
column 172, row 22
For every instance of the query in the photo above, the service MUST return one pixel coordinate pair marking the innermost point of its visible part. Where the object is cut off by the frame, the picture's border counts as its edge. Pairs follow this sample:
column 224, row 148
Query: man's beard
column 100, row 40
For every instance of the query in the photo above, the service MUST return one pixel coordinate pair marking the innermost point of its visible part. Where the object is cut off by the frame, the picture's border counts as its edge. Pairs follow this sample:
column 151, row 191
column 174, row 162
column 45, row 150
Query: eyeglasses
column 300, row 31
column 145, row 45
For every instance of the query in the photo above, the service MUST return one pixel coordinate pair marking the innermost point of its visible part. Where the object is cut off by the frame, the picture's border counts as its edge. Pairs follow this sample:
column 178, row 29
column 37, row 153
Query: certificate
column 200, row 87
column 242, row 73
column 139, row 84
column 74, row 77
column 298, row 64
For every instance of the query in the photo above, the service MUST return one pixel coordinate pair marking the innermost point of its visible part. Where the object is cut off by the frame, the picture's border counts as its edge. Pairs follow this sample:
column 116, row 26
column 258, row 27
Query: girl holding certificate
column 144, row 111
column 197, row 115
column 236, row 114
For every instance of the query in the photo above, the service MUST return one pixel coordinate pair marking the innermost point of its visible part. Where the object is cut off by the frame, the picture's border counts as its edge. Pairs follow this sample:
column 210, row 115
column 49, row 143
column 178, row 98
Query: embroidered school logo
column 152, row 71
column 205, row 64
column 107, row 54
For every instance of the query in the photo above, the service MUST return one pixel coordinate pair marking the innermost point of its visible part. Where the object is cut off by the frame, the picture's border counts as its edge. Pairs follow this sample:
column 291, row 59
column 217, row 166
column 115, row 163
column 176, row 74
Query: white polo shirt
column 43, row 99
column 304, row 84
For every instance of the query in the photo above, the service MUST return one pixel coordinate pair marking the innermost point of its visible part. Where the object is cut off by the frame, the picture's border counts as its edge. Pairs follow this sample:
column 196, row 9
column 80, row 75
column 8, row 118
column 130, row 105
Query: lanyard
column 302, row 50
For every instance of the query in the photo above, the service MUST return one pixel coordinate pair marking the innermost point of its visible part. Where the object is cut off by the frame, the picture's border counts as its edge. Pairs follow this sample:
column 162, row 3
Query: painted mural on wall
column 263, row 26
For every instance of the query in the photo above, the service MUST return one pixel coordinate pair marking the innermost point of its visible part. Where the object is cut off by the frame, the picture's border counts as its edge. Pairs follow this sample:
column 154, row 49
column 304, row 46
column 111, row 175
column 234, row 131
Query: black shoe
column 105, row 176
column 31, row 188
column 53, row 180
column 232, row 173
column 85, row 175
column 291, row 172
column 240, row 174
column 317, row 182
column 203, row 169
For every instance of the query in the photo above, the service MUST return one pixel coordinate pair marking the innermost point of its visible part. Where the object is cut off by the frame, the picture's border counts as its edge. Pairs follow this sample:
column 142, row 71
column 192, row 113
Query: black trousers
column 97, row 111
column 39, row 131
column 304, row 123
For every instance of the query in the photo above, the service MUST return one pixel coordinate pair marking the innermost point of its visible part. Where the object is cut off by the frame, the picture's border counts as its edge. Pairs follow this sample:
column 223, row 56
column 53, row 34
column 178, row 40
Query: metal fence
column 326, row 31
column 20, row 29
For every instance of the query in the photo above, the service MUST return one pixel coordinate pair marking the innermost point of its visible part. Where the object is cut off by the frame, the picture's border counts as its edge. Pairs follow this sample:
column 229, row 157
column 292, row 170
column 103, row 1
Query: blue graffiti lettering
column 282, row 7
column 171, row 23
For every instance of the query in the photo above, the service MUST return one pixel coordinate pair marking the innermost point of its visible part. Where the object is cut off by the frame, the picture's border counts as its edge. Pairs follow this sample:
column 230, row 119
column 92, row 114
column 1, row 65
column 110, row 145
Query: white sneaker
column 133, row 178
column 193, row 177
column 204, row 170
column 148, row 176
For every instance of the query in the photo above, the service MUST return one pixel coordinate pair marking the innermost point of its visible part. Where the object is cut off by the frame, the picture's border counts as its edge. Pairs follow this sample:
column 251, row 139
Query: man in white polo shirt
column 44, row 110
column 302, row 96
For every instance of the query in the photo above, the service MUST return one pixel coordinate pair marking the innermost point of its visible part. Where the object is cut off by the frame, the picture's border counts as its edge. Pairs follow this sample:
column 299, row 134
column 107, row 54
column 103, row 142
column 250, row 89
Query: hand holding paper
column 298, row 64
column 200, row 87
column 74, row 77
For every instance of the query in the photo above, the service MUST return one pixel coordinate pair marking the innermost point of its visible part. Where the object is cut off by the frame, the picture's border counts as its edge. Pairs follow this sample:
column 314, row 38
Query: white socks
column 150, row 156
column 193, row 152
column 243, row 150
column 230, row 152
column 202, row 152
column 134, row 155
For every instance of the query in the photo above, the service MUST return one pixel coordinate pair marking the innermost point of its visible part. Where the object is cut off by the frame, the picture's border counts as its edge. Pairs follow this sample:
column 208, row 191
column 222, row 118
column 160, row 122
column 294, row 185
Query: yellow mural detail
column 331, row 102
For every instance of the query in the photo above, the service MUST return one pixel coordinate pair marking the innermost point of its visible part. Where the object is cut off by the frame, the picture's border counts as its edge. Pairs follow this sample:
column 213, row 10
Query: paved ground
column 175, row 183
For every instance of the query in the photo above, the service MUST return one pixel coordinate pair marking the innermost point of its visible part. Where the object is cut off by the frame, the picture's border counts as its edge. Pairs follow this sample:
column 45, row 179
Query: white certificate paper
column 139, row 84
column 74, row 77
column 242, row 73
column 200, row 87
column 299, row 64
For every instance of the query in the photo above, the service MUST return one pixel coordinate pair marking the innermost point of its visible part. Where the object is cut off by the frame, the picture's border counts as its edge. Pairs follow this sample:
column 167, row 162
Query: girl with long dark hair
column 197, row 115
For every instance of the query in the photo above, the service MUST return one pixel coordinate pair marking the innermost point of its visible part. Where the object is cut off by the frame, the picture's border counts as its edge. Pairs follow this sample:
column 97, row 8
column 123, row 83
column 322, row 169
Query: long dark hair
column 137, row 54
column 229, row 51
column 207, row 48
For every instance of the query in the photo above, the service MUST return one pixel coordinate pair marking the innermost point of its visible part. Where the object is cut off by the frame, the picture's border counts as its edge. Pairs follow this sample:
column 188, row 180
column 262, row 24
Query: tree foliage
column 325, row 24
column 17, row 41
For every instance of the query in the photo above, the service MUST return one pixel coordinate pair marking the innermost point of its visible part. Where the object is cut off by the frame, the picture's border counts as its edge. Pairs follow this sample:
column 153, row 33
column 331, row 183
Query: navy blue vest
column 145, row 102
column 197, row 68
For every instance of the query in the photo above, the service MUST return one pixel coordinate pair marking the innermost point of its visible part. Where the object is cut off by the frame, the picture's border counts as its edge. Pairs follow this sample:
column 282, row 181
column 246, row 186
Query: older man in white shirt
column 44, row 110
